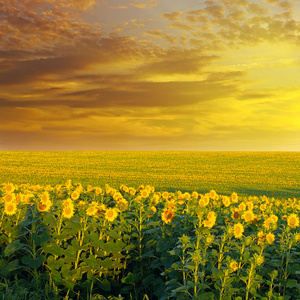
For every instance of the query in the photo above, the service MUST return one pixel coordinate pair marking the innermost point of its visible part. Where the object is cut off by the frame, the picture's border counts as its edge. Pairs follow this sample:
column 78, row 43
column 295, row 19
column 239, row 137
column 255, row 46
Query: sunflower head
column 10, row 208
column 293, row 221
column 167, row 215
column 238, row 230
column 9, row 188
column 270, row 238
column 68, row 212
column 111, row 214
column 233, row 265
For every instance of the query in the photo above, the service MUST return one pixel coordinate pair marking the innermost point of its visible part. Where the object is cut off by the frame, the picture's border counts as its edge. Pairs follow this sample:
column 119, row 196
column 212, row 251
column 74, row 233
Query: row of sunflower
column 136, row 242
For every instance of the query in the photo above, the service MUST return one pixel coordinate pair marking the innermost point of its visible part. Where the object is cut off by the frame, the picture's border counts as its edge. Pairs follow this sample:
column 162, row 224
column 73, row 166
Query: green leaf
column 68, row 283
column 42, row 238
column 53, row 249
column 54, row 263
column 292, row 283
column 105, row 285
column 74, row 225
column 33, row 263
column 113, row 234
column 25, row 222
column 216, row 273
column 181, row 289
column 148, row 280
column 11, row 266
column 106, row 263
column 70, row 254
column 210, row 296
column 130, row 278
column 48, row 218
column 13, row 247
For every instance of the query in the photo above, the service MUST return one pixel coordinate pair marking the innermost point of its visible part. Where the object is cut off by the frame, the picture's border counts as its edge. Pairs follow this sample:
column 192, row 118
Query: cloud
column 229, row 25
column 173, row 16
column 161, row 35
column 66, row 59
column 178, row 62
column 145, row 4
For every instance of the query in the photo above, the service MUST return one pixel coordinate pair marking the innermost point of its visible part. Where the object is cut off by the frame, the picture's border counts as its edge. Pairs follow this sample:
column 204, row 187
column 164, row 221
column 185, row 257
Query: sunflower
column 250, row 205
column 293, row 221
column 268, row 223
column 171, row 205
column 111, row 214
column 167, row 215
column 270, row 238
column 126, row 189
column 259, row 259
column 75, row 195
column 263, row 207
column 213, row 195
column 226, row 201
column 261, row 237
column 165, row 195
column 234, row 197
column 201, row 203
column 68, row 212
column 187, row 196
column 195, row 194
column 211, row 220
column 238, row 230
column 209, row 239
column 44, row 205
column 212, row 215
column 209, row 223
column 248, row 216
column 91, row 210
column 233, row 265
column 81, row 204
column 67, row 202
column 10, row 208
column 27, row 198
column 9, row 198
column 145, row 193
column 148, row 188
column 155, row 198
column 204, row 201
column 89, row 188
column 45, row 197
column 107, row 189
column 9, row 188
column 122, row 204
column 297, row 237
column 19, row 198
column 153, row 208
column 235, row 214
column 132, row 191
column 98, row 191
column 242, row 206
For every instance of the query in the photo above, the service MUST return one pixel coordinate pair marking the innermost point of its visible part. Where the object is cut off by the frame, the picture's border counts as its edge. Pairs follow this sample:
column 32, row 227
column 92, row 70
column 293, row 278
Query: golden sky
column 150, row 75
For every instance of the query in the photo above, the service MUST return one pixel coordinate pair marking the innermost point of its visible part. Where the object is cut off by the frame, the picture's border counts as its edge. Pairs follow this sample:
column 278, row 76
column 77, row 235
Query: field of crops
column 71, row 241
column 149, row 225
column 274, row 174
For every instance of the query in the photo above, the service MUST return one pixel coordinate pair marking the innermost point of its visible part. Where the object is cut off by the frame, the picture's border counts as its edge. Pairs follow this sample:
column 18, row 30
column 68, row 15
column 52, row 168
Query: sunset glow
column 150, row 75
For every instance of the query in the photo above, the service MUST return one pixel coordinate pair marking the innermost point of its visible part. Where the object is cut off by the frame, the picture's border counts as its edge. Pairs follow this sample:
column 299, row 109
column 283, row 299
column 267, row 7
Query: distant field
column 274, row 174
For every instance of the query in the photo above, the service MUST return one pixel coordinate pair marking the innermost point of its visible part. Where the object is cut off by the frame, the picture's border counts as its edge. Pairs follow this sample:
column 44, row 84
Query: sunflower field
column 70, row 241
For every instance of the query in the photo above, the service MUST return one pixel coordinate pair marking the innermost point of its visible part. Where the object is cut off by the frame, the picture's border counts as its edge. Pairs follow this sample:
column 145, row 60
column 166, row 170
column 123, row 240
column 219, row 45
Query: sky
column 214, row 75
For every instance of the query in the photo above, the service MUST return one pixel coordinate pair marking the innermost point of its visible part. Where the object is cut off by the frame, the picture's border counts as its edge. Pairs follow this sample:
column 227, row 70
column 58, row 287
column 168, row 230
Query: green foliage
column 157, row 246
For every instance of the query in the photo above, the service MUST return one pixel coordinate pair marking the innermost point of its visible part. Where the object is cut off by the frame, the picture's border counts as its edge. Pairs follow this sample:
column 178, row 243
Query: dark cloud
column 178, row 61
column 68, row 59
column 139, row 94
